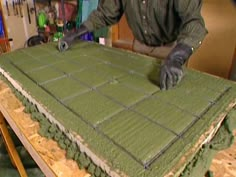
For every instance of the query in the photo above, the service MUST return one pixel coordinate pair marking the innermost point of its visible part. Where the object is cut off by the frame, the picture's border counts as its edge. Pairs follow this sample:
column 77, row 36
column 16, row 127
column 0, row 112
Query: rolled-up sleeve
column 107, row 13
column 192, row 30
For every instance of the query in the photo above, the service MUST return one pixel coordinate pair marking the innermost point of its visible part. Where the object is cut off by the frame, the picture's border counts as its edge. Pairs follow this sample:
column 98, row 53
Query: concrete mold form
column 108, row 104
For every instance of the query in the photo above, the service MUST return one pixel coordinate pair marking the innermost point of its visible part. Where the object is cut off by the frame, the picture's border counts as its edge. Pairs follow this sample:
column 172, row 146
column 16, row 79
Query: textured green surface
column 65, row 88
column 141, row 85
column 165, row 114
column 140, row 137
column 121, row 94
column 109, row 97
column 19, row 56
column 67, row 67
column 102, row 107
column 30, row 65
column 98, row 75
column 45, row 74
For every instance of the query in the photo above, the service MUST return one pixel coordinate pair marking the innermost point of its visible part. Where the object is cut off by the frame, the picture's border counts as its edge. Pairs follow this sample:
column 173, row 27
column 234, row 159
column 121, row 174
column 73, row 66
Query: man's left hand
column 171, row 71
column 171, row 74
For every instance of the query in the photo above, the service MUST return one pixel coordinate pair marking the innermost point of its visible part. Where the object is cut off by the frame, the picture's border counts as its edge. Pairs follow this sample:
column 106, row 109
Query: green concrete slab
column 93, row 107
column 94, row 79
column 138, row 58
column 194, row 98
column 215, row 83
column 50, row 59
column 45, row 74
column 150, row 71
column 109, row 70
column 114, row 57
column 122, row 94
column 165, row 114
column 67, row 67
column 37, row 51
column 29, row 65
column 98, row 75
column 74, row 51
column 194, row 105
column 198, row 91
column 85, row 61
column 19, row 56
column 50, row 48
column 138, row 136
column 139, row 83
column 111, row 99
column 65, row 88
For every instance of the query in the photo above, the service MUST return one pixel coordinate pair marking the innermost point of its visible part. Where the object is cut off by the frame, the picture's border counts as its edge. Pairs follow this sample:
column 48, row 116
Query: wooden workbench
column 52, row 160
column 46, row 153
column 100, row 100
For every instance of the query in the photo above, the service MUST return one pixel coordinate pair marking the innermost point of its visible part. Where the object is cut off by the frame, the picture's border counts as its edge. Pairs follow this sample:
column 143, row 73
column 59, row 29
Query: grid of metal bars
column 42, row 64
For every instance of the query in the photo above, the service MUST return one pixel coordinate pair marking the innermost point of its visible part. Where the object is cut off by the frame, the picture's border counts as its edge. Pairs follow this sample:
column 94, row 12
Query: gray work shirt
column 154, row 22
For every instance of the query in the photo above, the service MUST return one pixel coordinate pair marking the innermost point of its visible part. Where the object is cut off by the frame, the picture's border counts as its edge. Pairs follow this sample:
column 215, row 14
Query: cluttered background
column 30, row 22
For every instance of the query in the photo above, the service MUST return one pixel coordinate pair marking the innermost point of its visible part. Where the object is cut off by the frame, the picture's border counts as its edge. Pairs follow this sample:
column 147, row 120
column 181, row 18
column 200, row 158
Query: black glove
column 70, row 37
column 171, row 70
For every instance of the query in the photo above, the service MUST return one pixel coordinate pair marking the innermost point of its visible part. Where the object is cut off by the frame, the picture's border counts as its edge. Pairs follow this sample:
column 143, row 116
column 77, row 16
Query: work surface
column 109, row 103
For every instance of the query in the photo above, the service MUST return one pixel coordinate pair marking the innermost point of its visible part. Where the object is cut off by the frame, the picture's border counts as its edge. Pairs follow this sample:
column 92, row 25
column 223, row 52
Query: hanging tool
column 16, row 8
column 8, row 11
column 35, row 13
column 20, row 8
column 13, row 6
column 28, row 12
column 63, row 13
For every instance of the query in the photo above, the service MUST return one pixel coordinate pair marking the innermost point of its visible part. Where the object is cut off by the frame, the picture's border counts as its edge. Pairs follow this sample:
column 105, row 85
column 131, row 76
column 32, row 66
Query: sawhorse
column 15, row 159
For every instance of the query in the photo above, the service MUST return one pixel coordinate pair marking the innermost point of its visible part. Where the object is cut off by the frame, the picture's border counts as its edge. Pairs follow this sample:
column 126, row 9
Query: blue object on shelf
column 1, row 27
column 87, row 7
column 87, row 37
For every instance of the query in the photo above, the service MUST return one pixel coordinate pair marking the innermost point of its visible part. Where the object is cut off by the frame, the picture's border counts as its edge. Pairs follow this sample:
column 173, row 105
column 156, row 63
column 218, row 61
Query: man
column 167, row 29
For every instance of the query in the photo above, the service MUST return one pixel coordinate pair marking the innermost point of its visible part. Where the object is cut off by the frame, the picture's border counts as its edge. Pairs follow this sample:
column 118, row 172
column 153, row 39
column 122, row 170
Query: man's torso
column 153, row 22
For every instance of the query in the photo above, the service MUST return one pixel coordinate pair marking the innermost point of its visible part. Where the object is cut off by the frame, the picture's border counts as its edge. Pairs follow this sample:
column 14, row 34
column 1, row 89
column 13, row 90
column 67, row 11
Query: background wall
column 18, row 27
column 216, row 53
column 215, row 56
column 233, row 68
column 122, row 36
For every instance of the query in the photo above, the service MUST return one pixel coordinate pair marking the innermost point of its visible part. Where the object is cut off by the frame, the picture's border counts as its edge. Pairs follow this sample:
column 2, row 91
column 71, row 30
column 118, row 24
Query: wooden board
column 224, row 163
column 46, row 153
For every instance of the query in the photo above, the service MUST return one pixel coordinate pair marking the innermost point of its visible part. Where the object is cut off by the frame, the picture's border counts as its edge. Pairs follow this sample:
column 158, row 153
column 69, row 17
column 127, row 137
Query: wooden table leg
column 15, row 159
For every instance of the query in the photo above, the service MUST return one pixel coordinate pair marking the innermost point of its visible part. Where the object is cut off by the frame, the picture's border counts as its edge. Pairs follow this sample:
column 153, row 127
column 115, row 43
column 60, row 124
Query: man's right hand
column 65, row 42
